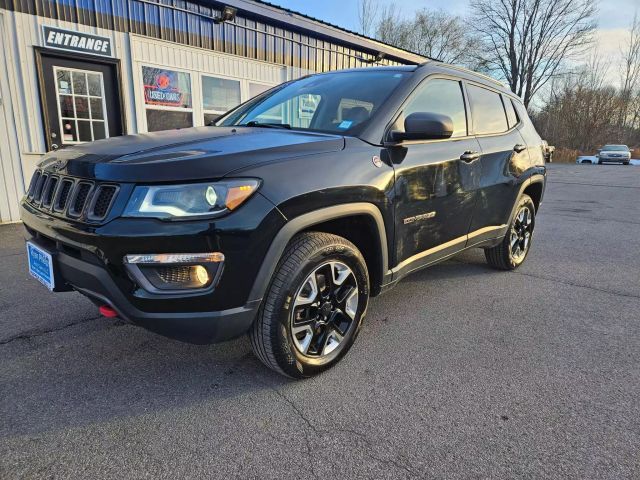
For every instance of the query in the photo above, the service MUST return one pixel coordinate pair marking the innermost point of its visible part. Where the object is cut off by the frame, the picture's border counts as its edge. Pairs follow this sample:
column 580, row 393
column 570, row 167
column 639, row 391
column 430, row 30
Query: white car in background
column 588, row 159
column 614, row 154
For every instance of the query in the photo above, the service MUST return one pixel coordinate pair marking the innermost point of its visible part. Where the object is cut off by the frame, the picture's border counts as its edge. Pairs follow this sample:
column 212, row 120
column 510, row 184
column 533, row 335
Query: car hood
column 615, row 152
column 189, row 154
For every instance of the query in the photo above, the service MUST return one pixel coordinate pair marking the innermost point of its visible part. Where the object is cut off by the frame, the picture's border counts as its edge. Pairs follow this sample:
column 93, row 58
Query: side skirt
column 484, row 237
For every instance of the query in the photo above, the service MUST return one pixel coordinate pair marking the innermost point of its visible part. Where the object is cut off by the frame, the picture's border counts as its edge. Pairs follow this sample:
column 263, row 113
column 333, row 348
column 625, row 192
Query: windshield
column 334, row 102
column 616, row 148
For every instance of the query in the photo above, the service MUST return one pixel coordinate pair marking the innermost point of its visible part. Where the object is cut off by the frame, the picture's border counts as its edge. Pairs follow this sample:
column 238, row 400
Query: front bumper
column 89, row 259
column 614, row 159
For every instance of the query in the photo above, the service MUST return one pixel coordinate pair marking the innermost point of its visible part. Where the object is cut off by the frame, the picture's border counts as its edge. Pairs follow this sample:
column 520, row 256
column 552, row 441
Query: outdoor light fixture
column 228, row 15
column 378, row 58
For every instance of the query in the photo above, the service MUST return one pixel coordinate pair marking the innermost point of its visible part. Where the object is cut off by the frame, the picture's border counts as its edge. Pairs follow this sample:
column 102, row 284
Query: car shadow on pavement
column 100, row 369
column 105, row 369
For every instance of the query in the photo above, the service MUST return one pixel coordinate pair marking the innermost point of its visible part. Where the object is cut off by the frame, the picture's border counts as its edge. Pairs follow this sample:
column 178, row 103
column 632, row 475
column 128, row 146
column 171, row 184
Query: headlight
column 191, row 200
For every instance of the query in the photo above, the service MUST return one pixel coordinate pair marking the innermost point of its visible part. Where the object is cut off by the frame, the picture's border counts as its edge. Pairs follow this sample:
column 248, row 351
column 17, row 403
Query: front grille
column 48, row 191
column 82, row 200
column 37, row 196
column 32, row 185
column 63, row 195
column 102, row 201
column 80, row 196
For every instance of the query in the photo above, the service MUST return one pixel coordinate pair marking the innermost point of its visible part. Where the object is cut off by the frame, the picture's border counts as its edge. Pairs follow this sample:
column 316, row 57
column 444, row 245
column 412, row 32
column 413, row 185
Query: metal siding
column 192, row 24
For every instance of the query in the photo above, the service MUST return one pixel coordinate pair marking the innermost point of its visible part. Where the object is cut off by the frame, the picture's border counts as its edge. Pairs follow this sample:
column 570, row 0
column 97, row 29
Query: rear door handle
column 469, row 156
column 519, row 148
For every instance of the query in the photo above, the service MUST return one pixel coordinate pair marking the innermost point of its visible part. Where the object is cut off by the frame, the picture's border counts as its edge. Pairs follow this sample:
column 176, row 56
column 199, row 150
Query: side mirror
column 425, row 126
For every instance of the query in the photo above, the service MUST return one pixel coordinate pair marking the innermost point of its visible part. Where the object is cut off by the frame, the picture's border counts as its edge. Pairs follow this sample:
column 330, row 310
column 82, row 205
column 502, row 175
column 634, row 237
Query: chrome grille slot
column 63, row 195
column 37, row 196
column 34, row 182
column 102, row 199
column 79, row 199
column 48, row 191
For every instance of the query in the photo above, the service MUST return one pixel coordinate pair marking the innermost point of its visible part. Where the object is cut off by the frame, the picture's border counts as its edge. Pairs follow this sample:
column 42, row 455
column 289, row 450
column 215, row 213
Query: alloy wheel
column 521, row 231
column 324, row 311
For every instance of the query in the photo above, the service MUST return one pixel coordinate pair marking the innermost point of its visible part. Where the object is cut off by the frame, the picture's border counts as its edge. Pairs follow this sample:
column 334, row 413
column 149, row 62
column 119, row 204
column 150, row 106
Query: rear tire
column 314, row 306
column 514, row 248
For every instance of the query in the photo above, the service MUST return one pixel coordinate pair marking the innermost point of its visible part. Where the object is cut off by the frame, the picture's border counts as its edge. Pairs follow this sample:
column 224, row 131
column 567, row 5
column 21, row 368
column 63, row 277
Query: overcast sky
column 614, row 16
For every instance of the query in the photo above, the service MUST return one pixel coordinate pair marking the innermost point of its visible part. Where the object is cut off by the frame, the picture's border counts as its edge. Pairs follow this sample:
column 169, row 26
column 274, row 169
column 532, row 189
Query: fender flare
column 534, row 178
column 302, row 222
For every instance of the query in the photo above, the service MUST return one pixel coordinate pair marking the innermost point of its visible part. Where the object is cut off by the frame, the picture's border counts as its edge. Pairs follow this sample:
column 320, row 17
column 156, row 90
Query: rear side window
column 512, row 115
column 487, row 111
column 443, row 97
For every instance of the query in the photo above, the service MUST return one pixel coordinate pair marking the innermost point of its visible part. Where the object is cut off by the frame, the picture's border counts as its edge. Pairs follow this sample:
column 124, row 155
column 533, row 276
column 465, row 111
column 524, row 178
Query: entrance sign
column 72, row 41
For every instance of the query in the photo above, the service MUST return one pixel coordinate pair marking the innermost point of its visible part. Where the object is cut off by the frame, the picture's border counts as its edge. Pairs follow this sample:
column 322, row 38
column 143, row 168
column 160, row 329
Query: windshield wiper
column 253, row 123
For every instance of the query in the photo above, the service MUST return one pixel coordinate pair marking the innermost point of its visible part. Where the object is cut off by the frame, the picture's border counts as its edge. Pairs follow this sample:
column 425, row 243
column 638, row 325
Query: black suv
column 283, row 218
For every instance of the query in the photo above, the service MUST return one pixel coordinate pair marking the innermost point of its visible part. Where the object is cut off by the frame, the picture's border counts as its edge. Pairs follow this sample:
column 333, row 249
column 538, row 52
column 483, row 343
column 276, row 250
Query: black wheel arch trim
column 532, row 179
column 302, row 222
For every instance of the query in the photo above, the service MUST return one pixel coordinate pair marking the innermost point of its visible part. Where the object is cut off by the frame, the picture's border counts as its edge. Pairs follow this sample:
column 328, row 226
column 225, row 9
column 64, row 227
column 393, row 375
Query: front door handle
column 519, row 148
column 469, row 156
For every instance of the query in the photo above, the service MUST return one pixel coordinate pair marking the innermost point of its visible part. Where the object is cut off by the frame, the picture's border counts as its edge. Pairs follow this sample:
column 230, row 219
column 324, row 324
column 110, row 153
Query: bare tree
column 432, row 33
column 529, row 41
column 441, row 35
column 630, row 84
column 367, row 15
column 392, row 28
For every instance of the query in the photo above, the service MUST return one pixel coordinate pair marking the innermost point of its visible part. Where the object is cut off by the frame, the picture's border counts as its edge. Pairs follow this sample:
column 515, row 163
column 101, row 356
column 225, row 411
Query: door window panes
column 81, row 105
column 487, row 110
column 79, row 83
column 219, row 94
column 94, row 84
column 443, row 97
column 63, row 79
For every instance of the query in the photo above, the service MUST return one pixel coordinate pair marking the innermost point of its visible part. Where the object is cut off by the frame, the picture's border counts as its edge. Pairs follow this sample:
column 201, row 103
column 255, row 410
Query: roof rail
column 470, row 72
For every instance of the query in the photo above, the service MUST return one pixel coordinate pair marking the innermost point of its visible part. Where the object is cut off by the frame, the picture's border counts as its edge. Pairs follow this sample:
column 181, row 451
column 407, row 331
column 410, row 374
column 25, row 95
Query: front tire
column 314, row 306
column 515, row 246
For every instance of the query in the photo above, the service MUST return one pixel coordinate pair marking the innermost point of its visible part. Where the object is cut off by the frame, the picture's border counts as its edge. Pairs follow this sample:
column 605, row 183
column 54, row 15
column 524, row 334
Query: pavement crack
column 371, row 447
column 575, row 284
column 593, row 184
column 559, row 280
column 38, row 333
column 367, row 451
column 302, row 416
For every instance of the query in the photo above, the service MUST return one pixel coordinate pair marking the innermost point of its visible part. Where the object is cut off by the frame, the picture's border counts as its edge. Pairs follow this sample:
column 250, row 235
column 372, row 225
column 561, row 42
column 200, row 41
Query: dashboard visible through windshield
column 333, row 102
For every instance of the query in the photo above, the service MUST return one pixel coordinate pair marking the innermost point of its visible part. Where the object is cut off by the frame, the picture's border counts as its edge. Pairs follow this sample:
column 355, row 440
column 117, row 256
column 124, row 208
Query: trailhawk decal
column 424, row 216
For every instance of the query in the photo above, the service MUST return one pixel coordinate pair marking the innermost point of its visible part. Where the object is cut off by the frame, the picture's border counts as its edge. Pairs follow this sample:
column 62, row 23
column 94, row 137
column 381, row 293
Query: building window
column 219, row 95
column 167, row 98
column 256, row 89
column 81, row 105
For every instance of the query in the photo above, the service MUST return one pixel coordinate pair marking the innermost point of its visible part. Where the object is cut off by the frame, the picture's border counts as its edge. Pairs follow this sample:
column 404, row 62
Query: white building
column 73, row 71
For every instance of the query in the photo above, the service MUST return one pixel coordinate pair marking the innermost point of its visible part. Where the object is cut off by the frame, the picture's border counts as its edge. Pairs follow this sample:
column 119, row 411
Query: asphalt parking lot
column 460, row 372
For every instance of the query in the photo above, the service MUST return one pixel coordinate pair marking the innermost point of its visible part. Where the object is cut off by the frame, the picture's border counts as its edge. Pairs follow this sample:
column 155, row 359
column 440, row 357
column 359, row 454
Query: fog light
column 167, row 273
column 201, row 274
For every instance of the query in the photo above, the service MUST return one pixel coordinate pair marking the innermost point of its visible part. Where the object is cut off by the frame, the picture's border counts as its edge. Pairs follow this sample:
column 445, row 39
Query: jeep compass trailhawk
column 282, row 218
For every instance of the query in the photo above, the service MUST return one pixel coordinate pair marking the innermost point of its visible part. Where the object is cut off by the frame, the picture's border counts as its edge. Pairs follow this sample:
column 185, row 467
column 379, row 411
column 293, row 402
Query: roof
column 298, row 21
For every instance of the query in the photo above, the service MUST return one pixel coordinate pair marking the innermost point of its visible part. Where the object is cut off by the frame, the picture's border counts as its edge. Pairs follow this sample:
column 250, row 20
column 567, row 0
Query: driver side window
column 443, row 97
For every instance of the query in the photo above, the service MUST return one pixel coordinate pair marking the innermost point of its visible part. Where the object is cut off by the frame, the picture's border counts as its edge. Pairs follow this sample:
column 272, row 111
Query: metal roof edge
column 275, row 13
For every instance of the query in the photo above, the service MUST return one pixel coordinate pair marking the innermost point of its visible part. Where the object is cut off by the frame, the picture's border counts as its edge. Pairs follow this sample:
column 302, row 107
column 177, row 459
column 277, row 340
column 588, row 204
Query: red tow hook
column 107, row 311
